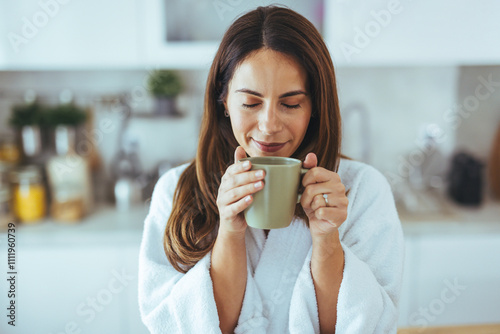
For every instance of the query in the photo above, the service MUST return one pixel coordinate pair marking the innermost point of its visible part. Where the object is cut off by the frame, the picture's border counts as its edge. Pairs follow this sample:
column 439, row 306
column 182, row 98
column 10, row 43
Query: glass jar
column 67, row 203
column 9, row 150
column 28, row 194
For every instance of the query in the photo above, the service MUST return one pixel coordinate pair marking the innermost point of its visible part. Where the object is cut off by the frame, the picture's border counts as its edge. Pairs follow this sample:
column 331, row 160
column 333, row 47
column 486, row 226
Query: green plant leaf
column 164, row 83
column 27, row 114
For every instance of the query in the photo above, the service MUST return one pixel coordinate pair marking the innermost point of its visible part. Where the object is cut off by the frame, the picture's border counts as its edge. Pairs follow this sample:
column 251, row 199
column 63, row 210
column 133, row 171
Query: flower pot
column 64, row 139
column 31, row 141
column 165, row 106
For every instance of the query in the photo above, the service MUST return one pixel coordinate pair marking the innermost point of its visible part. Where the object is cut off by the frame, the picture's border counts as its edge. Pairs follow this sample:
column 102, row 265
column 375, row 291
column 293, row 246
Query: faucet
column 364, row 127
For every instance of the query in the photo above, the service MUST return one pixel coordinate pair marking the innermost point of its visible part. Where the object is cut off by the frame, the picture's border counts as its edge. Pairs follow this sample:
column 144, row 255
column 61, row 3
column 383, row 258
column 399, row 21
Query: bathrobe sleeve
column 173, row 302
column 373, row 245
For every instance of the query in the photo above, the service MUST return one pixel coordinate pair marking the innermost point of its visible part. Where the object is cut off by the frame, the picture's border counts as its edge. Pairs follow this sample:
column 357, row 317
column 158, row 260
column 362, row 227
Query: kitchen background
column 419, row 87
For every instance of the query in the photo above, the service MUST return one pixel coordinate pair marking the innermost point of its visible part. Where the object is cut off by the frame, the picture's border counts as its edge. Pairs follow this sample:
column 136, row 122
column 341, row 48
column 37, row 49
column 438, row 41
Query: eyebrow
column 252, row 92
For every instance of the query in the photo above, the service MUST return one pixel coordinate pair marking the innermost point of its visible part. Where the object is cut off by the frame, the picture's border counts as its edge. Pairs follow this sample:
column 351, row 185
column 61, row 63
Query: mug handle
column 303, row 171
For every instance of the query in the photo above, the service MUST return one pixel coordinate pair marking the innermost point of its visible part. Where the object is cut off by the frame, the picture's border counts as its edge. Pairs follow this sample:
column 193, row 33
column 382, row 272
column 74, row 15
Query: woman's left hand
column 325, row 215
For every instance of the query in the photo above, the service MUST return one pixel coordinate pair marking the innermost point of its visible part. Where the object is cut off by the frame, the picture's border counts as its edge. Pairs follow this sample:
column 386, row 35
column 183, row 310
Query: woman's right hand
column 235, row 193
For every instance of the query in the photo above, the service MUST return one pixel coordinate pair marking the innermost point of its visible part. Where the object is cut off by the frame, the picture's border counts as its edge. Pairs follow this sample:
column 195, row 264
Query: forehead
column 266, row 69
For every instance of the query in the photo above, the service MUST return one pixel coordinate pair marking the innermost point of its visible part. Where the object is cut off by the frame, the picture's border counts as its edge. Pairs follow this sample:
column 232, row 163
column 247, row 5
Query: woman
column 271, row 91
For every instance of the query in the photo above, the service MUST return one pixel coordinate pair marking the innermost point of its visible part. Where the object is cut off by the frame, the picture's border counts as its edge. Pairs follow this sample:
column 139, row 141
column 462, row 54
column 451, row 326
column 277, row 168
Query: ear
column 225, row 104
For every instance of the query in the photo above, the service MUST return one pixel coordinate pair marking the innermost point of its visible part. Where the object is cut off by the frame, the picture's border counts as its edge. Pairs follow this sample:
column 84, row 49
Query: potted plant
column 64, row 114
column 165, row 85
column 62, row 121
column 26, row 119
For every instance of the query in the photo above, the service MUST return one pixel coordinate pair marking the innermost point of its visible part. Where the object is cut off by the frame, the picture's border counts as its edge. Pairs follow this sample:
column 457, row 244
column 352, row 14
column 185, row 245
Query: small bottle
column 69, row 179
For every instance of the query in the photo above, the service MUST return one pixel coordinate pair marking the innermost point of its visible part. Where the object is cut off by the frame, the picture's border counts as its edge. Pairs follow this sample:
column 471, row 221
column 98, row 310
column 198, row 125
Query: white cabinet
column 77, row 289
column 199, row 54
column 65, row 34
column 405, row 32
column 157, row 52
column 451, row 279
column 130, row 257
column 407, row 288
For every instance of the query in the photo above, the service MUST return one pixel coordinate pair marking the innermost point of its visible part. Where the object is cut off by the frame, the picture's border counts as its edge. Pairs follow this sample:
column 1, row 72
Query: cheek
column 300, row 125
column 240, row 125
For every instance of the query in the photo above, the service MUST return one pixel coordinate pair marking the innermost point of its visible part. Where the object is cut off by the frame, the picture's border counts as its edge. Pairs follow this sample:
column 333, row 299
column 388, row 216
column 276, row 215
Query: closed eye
column 293, row 106
column 250, row 105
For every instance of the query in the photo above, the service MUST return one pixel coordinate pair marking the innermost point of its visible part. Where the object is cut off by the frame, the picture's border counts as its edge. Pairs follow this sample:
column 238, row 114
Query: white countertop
column 105, row 225
column 457, row 220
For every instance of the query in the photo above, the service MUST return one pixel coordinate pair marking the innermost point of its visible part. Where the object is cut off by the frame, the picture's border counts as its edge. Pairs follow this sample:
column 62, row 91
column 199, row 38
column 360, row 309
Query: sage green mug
column 274, row 205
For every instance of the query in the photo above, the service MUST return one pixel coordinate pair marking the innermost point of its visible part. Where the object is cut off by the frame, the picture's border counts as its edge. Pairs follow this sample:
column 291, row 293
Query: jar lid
column 30, row 173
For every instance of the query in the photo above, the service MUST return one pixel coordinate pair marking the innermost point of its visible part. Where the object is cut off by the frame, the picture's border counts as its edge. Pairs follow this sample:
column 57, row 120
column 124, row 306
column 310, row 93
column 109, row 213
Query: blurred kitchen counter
column 105, row 226
column 454, row 219
column 109, row 226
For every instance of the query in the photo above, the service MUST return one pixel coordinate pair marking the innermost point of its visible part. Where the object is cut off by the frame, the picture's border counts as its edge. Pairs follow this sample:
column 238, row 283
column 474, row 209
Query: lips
column 268, row 147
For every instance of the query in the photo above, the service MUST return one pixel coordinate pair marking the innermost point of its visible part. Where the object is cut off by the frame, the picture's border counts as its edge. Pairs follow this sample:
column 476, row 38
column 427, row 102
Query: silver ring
column 325, row 196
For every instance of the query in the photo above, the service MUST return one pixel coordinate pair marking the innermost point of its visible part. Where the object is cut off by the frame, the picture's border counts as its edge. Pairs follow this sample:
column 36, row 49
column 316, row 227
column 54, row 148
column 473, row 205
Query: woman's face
column 268, row 104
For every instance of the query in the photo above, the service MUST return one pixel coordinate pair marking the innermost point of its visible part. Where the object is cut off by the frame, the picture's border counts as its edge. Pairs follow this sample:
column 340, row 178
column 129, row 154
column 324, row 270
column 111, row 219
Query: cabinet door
column 394, row 32
column 61, row 34
column 71, row 289
column 130, row 260
column 457, row 280
column 408, row 284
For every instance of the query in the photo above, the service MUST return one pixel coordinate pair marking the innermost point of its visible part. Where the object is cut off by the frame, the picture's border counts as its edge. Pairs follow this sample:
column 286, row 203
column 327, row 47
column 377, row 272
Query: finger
column 237, row 207
column 310, row 161
column 333, row 190
column 333, row 202
column 313, row 190
column 243, row 178
column 239, row 154
column 319, row 174
column 319, row 202
column 236, row 168
column 235, row 194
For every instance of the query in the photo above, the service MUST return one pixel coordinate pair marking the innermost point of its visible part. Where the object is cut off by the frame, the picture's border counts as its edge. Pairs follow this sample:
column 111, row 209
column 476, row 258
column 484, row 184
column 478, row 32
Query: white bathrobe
column 279, row 295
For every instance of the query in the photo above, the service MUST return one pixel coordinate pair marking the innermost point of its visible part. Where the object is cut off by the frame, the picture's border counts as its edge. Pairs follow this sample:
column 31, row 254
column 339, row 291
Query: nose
column 269, row 122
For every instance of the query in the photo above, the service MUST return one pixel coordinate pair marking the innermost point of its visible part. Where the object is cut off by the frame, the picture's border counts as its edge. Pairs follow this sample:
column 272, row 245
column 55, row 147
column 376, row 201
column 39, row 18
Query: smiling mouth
column 268, row 147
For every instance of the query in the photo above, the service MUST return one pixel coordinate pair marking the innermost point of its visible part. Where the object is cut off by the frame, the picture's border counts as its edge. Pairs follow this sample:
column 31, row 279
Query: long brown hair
column 193, row 224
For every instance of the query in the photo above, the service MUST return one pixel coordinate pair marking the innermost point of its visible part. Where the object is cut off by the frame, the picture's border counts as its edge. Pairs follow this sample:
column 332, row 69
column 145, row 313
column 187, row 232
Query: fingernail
column 248, row 198
column 246, row 164
column 259, row 173
column 258, row 184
